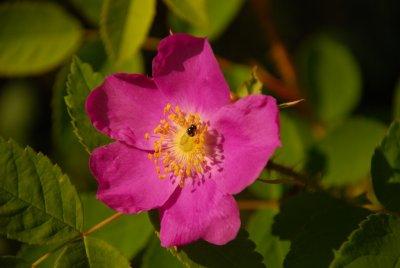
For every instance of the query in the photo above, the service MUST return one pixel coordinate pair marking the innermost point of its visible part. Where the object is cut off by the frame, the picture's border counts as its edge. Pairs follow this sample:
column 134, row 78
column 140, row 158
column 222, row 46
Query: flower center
column 179, row 150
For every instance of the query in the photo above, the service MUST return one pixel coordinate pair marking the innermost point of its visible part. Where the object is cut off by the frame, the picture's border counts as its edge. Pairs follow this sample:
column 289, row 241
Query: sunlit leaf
column 347, row 150
column 91, row 9
column 316, row 224
column 252, row 85
column 35, row 37
column 374, row 244
column 38, row 204
column 192, row 11
column 271, row 247
column 124, row 26
column 219, row 14
column 331, row 77
column 91, row 252
column 385, row 169
column 128, row 234
column 81, row 81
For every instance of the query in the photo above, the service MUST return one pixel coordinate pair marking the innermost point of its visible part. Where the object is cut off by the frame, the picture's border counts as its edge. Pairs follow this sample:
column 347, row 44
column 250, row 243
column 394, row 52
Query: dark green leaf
column 348, row 150
column 38, row 204
column 13, row 262
column 128, row 234
column 157, row 256
column 316, row 224
column 35, row 37
column 91, row 9
column 240, row 252
column 375, row 244
column 331, row 77
column 385, row 169
column 124, row 26
column 271, row 247
column 396, row 104
column 81, row 81
column 91, row 252
column 32, row 253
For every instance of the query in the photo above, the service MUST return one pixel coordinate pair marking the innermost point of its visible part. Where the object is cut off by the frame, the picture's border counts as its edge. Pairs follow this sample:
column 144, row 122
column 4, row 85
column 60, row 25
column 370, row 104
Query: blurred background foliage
column 342, row 57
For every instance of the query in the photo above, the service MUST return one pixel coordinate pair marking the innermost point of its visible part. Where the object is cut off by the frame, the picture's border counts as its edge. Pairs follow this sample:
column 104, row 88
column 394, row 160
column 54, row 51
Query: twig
column 257, row 204
column 282, row 181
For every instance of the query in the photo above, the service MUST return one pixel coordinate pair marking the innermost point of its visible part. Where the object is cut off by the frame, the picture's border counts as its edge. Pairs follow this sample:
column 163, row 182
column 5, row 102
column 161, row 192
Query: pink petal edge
column 186, row 71
column 125, row 107
column 199, row 211
column 250, row 130
column 127, row 179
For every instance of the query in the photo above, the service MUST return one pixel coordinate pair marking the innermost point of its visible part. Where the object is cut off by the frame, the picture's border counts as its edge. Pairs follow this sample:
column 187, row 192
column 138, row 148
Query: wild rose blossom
column 181, row 147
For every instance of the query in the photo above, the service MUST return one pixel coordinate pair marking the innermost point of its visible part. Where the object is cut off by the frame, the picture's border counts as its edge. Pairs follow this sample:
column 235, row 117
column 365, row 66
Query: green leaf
column 192, row 11
column 270, row 246
column 13, row 262
column 347, row 151
column 31, row 253
column 124, row 26
column 81, row 81
column 157, row 256
column 331, row 76
column 38, row 204
column 385, row 169
column 128, row 234
column 240, row 252
column 374, row 244
column 35, row 37
column 396, row 104
column 91, row 9
column 91, row 252
column 252, row 85
column 220, row 14
column 133, row 65
column 316, row 224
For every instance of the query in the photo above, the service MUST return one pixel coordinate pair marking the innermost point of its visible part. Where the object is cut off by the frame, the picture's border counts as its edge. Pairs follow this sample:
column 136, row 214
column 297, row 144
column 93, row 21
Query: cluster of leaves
column 343, row 214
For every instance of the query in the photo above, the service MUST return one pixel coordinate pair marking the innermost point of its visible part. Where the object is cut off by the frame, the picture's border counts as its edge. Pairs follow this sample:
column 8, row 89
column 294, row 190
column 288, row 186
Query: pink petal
column 250, row 132
column 188, row 74
column 199, row 211
column 127, row 179
column 125, row 107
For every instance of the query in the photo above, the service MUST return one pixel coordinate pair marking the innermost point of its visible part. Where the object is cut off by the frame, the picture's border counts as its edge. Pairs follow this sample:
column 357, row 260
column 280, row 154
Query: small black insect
column 191, row 131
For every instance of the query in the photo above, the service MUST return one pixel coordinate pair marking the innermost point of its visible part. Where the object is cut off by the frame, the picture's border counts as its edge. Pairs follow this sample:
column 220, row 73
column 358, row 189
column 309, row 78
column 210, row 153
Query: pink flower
column 181, row 147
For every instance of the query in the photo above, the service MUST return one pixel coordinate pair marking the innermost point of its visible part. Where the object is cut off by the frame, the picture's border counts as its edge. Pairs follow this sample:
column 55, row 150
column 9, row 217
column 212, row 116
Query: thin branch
column 282, row 181
column 102, row 224
column 257, row 204
column 286, row 171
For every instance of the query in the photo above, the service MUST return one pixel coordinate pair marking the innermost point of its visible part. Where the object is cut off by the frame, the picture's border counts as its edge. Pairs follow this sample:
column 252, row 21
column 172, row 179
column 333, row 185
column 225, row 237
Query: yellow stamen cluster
column 180, row 149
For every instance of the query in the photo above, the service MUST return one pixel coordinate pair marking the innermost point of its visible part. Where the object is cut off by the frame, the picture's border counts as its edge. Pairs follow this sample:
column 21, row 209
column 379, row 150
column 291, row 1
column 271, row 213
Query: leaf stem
column 87, row 232
column 287, row 171
column 102, row 223
column 282, row 181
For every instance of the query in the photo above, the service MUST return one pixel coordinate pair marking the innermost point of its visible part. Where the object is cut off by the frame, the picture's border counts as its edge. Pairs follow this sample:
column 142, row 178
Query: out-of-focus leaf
column 13, row 262
column 385, row 169
column 35, row 37
column 38, row 204
column 374, row 244
column 134, row 65
column 235, row 74
column 396, row 104
column 271, row 247
column 128, row 234
column 91, row 9
column 192, row 11
column 252, row 85
column 18, row 110
column 331, row 77
column 81, row 81
column 91, row 252
column 124, row 26
column 240, row 252
column 220, row 14
column 157, row 256
column 316, row 224
column 348, row 150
